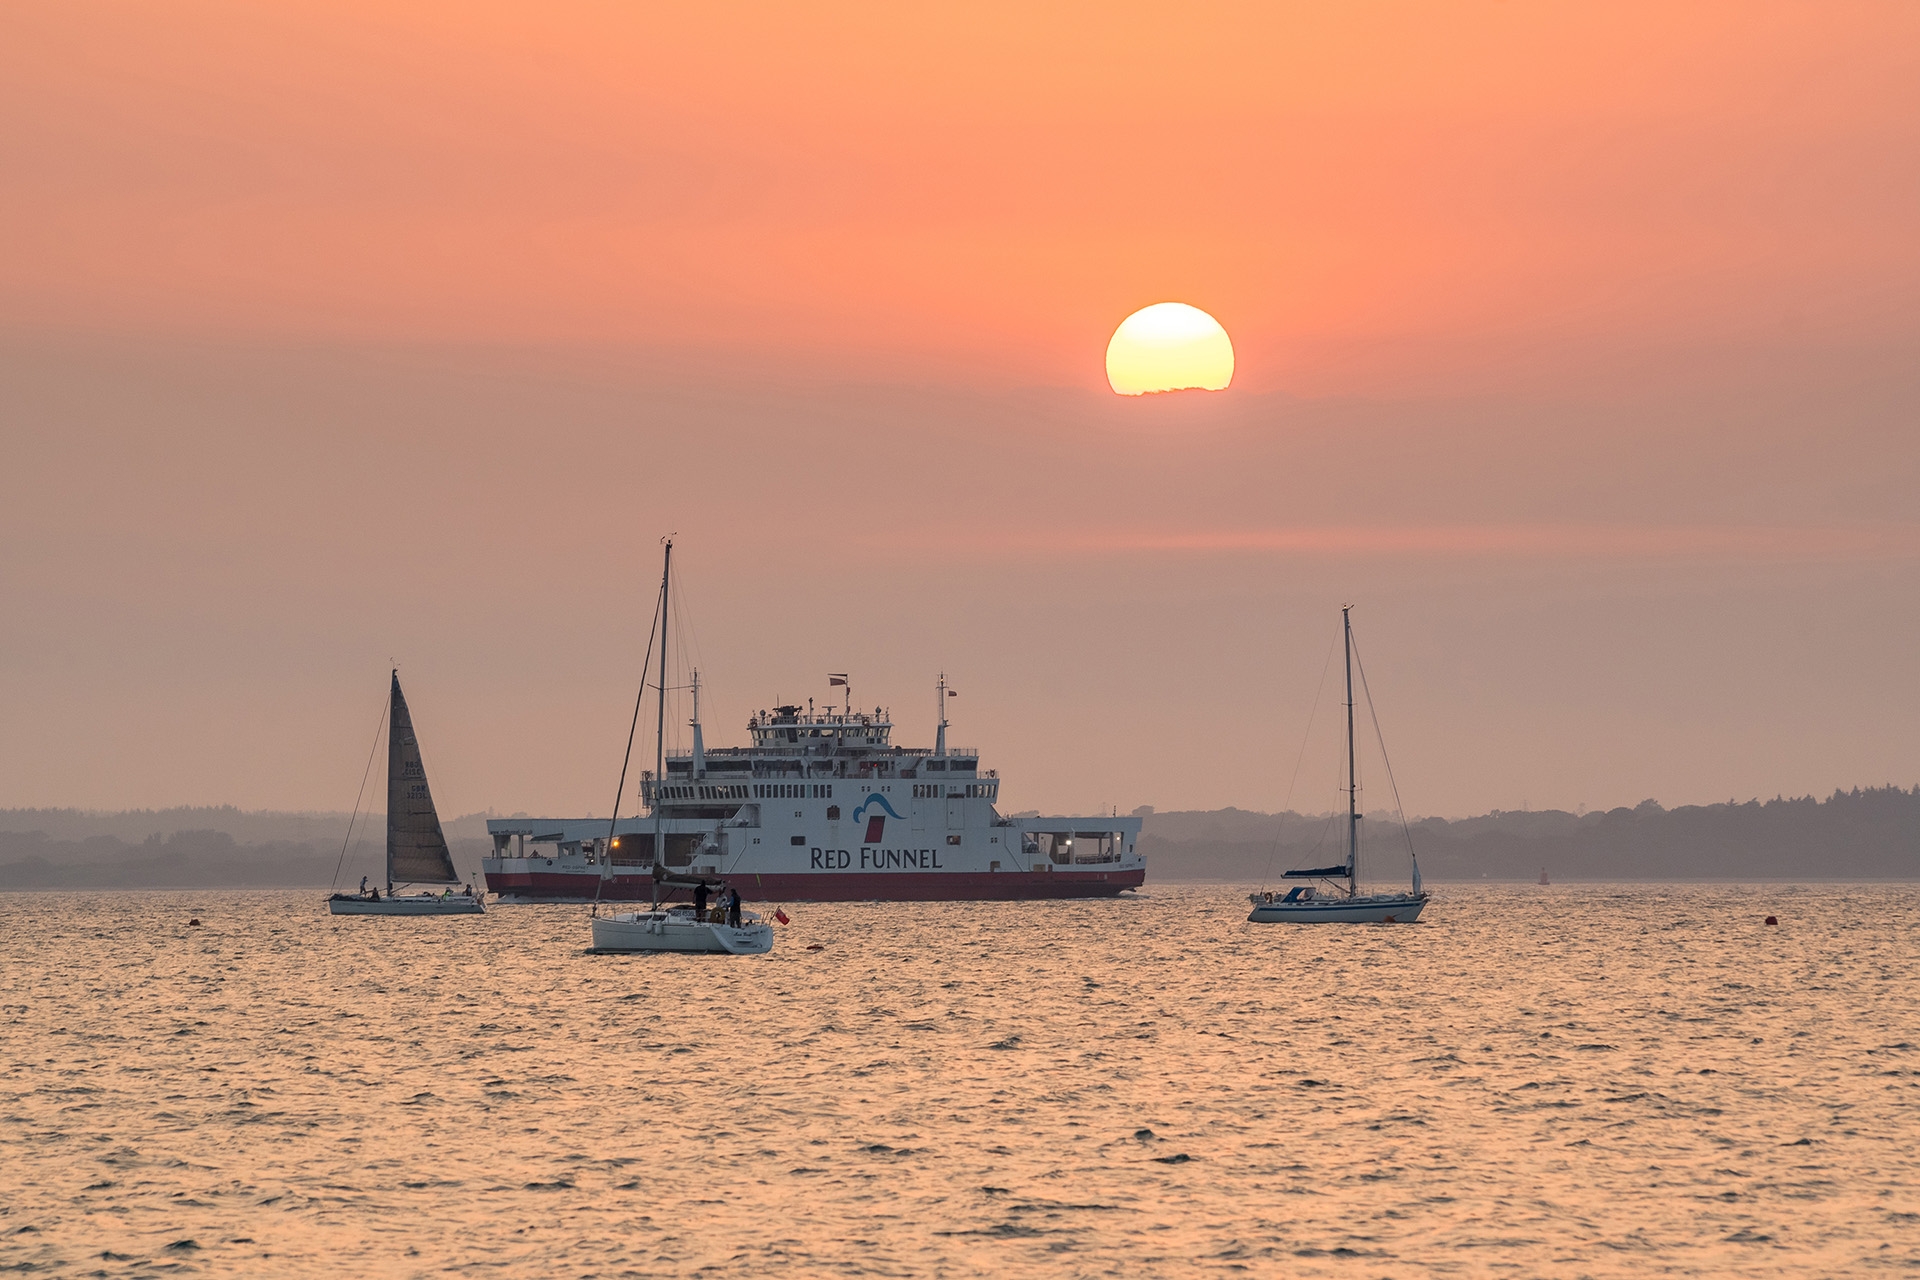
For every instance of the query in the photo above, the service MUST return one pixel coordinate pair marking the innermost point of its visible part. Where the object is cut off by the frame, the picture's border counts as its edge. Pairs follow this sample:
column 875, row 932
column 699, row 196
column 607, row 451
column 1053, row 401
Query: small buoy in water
column 195, row 923
column 1773, row 919
column 815, row 946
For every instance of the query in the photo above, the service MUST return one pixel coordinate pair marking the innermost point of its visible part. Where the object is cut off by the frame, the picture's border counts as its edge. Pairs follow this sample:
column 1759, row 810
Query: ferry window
column 953, row 839
column 833, row 813
column 796, row 839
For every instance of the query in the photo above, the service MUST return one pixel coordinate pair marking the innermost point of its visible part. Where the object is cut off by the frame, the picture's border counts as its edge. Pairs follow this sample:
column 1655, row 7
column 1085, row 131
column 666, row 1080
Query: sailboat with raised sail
column 1333, row 895
column 417, row 851
column 674, row 927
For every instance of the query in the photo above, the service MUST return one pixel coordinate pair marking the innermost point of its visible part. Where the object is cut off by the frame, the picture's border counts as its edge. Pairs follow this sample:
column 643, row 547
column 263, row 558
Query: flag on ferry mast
column 833, row 680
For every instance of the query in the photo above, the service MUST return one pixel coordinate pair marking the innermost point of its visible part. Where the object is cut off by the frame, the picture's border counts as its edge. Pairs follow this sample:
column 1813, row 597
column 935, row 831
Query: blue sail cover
column 1318, row 873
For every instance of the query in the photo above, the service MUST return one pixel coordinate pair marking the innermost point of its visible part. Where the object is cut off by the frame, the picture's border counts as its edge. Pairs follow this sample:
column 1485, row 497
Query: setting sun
column 1169, row 346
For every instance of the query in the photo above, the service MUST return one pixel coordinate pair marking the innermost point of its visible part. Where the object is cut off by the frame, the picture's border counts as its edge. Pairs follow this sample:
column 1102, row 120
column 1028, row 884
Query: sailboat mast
column 393, row 767
column 660, row 730
column 1353, row 780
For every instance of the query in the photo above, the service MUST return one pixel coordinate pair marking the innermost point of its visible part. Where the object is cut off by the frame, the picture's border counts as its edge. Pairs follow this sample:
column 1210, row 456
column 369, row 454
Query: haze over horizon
column 1575, row 348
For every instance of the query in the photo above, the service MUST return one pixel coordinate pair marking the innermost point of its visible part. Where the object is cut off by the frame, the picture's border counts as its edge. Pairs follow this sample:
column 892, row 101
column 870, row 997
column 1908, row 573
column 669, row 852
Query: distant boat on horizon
column 416, row 846
column 1302, row 904
column 1543, row 876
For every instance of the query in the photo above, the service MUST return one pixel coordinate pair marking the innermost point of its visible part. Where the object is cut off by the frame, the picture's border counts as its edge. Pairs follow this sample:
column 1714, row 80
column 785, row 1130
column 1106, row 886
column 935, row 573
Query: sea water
column 1584, row 1080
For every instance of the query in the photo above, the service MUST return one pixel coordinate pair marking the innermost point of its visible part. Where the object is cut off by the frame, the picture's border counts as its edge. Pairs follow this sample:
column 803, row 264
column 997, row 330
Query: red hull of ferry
column 944, row 886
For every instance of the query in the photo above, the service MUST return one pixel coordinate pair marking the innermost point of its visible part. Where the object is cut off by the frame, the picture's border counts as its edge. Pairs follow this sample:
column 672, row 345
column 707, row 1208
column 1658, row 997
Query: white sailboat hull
column 678, row 931
column 421, row 904
column 1381, row 908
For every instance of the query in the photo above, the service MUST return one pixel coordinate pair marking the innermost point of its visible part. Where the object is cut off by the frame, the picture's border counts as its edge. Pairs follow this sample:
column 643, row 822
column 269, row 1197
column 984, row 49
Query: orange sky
column 1598, row 319
column 1359, row 192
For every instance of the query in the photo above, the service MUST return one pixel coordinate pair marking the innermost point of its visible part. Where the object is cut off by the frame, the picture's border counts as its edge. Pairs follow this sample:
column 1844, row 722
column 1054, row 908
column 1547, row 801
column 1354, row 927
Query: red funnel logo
column 875, row 826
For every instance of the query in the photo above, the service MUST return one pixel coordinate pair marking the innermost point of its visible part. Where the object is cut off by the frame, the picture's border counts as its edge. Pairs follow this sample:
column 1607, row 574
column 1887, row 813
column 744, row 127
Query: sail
column 416, row 848
column 1318, row 873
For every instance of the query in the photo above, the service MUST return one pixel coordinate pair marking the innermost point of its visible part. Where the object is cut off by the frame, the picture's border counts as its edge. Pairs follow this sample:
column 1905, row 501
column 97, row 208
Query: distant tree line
column 195, row 859
column 1864, row 834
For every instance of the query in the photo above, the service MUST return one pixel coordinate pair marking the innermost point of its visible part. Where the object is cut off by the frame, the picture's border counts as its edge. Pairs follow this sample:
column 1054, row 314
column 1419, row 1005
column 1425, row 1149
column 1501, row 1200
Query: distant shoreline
column 1238, row 886
column 1863, row 836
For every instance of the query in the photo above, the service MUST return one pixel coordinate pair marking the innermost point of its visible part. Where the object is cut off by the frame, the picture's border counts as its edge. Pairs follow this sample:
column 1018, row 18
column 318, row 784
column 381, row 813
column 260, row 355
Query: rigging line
column 674, row 683
column 1307, row 737
column 385, row 705
column 684, row 633
column 685, row 629
column 1374, row 715
column 688, row 637
column 627, row 759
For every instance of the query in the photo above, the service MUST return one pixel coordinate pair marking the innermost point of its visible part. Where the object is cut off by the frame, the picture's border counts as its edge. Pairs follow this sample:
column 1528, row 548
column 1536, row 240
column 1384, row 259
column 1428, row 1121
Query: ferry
column 819, row 807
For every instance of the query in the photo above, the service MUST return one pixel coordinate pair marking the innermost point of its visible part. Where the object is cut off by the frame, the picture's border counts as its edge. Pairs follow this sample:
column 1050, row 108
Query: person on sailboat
column 733, row 908
column 363, row 886
column 700, row 901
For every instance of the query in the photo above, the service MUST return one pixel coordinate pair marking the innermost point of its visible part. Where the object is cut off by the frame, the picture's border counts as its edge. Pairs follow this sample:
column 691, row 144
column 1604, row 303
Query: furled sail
column 1318, row 873
column 416, row 847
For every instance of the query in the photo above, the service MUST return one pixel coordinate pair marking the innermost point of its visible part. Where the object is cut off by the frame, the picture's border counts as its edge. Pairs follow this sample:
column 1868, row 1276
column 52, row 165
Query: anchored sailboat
column 1305, row 904
column 675, row 927
column 416, row 847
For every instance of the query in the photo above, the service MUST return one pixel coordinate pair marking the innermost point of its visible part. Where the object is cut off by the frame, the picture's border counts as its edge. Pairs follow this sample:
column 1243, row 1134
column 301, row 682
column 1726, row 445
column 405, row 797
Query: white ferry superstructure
column 821, row 807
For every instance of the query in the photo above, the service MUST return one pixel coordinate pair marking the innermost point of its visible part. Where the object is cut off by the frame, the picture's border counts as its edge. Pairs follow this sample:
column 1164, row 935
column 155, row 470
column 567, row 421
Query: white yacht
column 1332, row 894
column 416, row 847
column 681, row 928
column 673, row 928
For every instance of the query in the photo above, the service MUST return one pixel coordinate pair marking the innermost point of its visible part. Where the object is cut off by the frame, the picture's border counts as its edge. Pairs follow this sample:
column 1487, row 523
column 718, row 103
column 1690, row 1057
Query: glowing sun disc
column 1169, row 346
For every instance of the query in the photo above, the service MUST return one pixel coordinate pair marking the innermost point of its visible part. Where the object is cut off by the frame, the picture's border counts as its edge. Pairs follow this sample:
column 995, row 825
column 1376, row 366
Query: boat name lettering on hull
column 872, row 859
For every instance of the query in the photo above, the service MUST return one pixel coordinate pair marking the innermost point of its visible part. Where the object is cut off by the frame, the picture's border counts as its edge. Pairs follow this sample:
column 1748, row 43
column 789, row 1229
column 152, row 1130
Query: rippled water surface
column 1566, row 1081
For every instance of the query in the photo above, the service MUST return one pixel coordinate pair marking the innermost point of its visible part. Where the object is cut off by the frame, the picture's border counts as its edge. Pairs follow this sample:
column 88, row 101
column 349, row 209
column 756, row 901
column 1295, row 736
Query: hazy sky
column 1576, row 348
